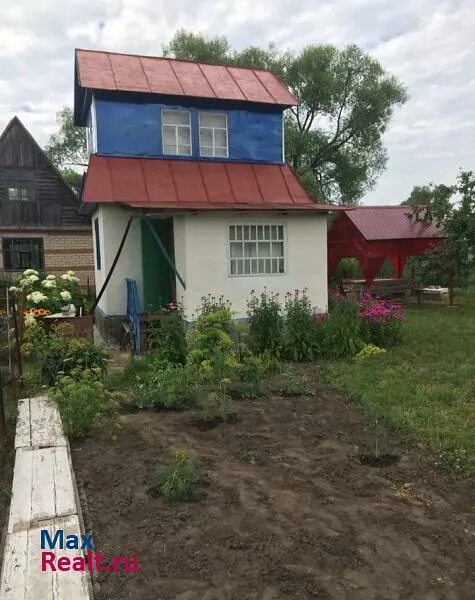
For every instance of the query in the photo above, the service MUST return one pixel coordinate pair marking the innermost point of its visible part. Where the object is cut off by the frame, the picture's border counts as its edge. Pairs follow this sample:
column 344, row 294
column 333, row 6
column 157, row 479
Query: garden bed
column 288, row 511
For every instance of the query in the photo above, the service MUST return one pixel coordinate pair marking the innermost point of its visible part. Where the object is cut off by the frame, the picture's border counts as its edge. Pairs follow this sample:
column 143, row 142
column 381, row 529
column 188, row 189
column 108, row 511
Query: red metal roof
column 390, row 223
column 126, row 72
column 189, row 184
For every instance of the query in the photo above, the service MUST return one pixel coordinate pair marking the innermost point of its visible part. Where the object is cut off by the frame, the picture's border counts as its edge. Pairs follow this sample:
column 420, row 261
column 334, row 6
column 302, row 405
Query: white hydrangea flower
column 51, row 277
column 29, row 272
column 32, row 278
column 48, row 284
column 13, row 289
column 37, row 297
column 65, row 295
column 71, row 273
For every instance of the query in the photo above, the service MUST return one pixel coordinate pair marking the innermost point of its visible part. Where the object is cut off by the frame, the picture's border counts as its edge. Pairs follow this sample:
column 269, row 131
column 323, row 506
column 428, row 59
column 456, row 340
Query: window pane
column 274, row 265
column 220, row 138
column 176, row 117
column 246, row 232
column 206, row 137
column 260, row 232
column 281, row 232
column 261, row 265
column 184, row 135
column 253, row 232
column 277, row 249
column 268, row 265
column 221, row 152
column 281, row 265
column 254, row 266
column 12, row 193
column 250, row 250
column 239, row 232
column 206, row 151
column 247, row 267
column 207, row 120
column 233, row 267
column 184, row 149
column 169, row 135
column 264, row 250
column 240, row 267
column 267, row 232
column 273, row 232
column 169, row 149
column 232, row 232
column 236, row 250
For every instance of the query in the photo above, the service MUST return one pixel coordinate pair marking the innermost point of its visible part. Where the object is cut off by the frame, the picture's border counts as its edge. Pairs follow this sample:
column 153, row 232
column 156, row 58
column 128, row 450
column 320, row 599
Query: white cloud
column 428, row 44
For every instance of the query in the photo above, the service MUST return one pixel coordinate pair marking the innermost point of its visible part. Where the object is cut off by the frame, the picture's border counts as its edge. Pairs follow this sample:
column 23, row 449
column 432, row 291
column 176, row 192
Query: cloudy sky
column 428, row 44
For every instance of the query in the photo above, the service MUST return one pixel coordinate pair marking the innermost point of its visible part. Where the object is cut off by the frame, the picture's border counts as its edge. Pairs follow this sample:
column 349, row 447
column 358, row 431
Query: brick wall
column 64, row 251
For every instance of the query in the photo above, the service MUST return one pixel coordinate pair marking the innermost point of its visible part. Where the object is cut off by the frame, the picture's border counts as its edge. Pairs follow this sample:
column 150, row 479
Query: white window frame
column 172, row 110
column 284, row 240
column 213, row 147
column 91, row 130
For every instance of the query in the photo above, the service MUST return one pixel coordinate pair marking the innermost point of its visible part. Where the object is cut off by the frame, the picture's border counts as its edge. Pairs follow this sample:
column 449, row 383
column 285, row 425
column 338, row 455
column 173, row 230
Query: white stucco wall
column 201, row 256
column 201, row 247
column 112, row 224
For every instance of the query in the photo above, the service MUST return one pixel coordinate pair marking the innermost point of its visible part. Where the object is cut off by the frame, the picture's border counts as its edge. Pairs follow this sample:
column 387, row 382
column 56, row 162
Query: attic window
column 176, row 132
column 20, row 186
column 213, row 135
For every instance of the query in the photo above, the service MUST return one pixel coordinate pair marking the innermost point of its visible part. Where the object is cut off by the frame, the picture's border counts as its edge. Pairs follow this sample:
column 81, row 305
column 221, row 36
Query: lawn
column 426, row 385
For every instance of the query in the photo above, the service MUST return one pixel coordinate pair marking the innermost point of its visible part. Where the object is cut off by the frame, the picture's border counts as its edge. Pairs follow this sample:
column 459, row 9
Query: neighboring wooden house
column 39, row 224
column 193, row 154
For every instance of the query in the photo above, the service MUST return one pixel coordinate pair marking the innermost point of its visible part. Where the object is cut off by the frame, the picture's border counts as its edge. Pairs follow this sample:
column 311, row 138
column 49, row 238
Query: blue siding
column 133, row 128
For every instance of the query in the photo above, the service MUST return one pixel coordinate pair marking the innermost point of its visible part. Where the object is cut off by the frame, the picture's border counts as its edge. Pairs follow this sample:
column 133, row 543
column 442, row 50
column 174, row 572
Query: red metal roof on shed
column 188, row 184
column 390, row 223
column 126, row 72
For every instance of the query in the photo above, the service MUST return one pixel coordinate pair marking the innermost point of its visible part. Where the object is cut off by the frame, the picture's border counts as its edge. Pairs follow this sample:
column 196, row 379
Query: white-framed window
column 176, row 132
column 214, row 134
column 256, row 250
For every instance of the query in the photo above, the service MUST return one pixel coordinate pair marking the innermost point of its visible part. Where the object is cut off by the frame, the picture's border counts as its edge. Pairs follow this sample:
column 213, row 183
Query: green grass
column 426, row 385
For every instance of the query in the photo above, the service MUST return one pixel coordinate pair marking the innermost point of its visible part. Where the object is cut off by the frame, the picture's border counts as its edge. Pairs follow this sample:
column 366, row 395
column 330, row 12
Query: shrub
column 250, row 376
column 178, row 480
column 170, row 337
column 215, row 405
column 299, row 339
column 164, row 385
column 381, row 321
column 294, row 385
column 210, row 342
column 369, row 350
column 82, row 400
column 340, row 335
column 57, row 352
column 265, row 323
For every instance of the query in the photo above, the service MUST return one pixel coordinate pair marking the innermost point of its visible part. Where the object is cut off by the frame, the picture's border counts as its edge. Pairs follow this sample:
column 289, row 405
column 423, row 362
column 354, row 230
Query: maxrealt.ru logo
column 91, row 561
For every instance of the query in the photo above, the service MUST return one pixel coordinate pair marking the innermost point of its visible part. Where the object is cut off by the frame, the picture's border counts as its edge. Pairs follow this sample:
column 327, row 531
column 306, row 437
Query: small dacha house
column 187, row 177
column 39, row 224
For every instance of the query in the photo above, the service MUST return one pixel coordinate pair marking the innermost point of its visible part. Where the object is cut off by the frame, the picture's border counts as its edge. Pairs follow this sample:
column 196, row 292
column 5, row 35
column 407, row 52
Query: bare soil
column 289, row 510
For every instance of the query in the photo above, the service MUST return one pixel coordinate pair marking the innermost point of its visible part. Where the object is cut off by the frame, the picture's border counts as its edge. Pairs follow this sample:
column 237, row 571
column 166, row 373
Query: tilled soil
column 289, row 511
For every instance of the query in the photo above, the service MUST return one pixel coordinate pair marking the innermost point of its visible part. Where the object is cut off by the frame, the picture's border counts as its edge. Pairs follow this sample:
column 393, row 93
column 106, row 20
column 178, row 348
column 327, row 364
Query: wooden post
column 17, row 338
column 3, row 422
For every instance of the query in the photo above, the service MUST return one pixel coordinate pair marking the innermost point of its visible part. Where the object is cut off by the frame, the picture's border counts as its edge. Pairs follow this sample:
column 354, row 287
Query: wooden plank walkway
column 43, row 497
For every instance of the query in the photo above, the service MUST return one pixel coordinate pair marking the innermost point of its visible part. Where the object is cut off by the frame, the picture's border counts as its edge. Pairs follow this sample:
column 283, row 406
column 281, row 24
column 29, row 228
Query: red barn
column 373, row 234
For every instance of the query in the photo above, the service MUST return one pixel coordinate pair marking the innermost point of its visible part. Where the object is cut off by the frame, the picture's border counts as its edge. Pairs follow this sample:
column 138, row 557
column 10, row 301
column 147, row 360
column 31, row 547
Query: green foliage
column 298, row 344
column 170, row 337
column 250, row 377
column 178, row 480
column 289, row 384
column 210, row 341
column 165, row 385
column 67, row 147
column 369, row 350
column 266, row 323
column 215, row 405
column 430, row 202
column 82, row 400
column 451, row 261
column 333, row 138
column 424, row 386
column 340, row 335
column 56, row 352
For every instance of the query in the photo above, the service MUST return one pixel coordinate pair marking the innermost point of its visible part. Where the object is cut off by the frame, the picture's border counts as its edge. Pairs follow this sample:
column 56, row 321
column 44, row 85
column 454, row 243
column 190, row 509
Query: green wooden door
column 158, row 278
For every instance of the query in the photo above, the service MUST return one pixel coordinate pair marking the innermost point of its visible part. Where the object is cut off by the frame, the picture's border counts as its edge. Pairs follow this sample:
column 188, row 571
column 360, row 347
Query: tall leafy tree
column 334, row 137
column 452, row 261
column 66, row 149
